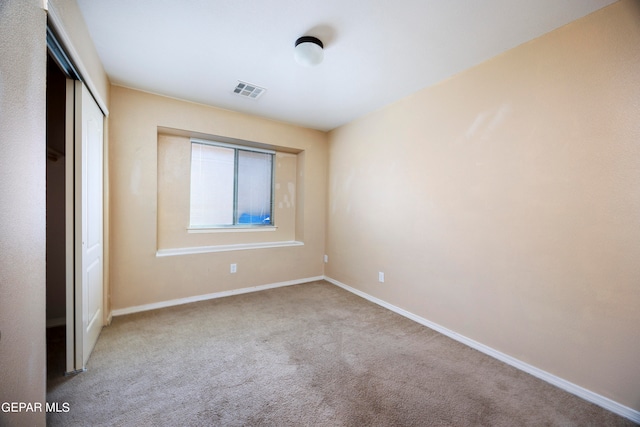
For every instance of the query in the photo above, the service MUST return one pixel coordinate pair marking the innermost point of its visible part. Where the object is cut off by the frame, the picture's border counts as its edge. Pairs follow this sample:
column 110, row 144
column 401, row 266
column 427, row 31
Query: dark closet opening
column 56, row 237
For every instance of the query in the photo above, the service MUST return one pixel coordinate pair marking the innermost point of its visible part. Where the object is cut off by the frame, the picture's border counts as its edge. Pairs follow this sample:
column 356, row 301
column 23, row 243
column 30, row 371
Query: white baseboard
column 180, row 301
column 575, row 389
column 56, row 321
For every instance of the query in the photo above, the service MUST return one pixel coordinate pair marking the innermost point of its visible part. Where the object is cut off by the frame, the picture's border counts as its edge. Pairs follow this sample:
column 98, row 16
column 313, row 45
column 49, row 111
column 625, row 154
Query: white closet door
column 89, row 193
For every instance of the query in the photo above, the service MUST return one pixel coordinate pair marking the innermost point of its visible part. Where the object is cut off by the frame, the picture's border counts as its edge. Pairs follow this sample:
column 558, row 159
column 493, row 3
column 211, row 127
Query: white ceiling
column 376, row 51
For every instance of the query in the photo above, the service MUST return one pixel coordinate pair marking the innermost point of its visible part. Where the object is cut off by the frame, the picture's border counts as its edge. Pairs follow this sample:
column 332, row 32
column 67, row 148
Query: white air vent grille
column 248, row 90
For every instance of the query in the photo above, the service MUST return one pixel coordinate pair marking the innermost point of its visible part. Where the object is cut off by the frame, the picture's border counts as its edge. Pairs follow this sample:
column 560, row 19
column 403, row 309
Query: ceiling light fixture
column 309, row 51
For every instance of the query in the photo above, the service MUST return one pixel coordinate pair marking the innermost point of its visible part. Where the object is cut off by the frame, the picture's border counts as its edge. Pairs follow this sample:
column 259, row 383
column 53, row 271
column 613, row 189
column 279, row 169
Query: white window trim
column 231, row 229
column 225, row 248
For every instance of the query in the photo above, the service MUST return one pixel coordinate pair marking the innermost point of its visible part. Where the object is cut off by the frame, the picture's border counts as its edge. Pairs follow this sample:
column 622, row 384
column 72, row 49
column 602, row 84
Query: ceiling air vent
column 248, row 90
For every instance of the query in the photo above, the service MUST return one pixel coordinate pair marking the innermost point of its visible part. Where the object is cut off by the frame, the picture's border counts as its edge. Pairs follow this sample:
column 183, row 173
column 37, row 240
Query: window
column 231, row 185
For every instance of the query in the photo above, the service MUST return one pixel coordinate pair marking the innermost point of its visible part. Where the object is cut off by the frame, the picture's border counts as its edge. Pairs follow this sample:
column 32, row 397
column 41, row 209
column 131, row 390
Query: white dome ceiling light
column 309, row 51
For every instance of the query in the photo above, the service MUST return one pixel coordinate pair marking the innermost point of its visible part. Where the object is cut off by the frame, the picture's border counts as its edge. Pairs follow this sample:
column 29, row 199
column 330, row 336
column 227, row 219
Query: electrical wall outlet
column 380, row 277
column 233, row 268
column 326, row 259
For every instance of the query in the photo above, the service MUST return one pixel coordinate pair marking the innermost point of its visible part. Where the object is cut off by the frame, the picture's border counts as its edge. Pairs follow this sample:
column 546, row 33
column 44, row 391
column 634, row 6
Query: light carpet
column 304, row 355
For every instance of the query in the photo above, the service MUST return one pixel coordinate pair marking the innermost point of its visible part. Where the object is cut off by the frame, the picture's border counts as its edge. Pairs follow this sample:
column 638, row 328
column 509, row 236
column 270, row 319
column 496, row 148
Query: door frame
column 70, row 225
column 60, row 48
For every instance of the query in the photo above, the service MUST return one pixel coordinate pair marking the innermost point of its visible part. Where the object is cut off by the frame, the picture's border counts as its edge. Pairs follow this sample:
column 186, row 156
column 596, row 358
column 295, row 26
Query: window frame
column 236, row 225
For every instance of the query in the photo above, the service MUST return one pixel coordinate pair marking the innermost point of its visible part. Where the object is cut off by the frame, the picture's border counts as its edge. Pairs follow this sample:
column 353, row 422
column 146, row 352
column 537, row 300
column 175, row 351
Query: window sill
column 226, row 248
column 236, row 229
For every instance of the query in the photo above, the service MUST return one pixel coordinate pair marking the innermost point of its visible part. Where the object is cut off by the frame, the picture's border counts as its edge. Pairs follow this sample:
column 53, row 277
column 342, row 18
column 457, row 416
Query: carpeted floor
column 305, row 355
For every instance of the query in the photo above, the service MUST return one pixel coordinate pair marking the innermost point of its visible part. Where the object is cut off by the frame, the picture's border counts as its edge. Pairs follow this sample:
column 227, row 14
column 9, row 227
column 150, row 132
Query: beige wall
column 22, row 212
column 138, row 276
column 504, row 204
